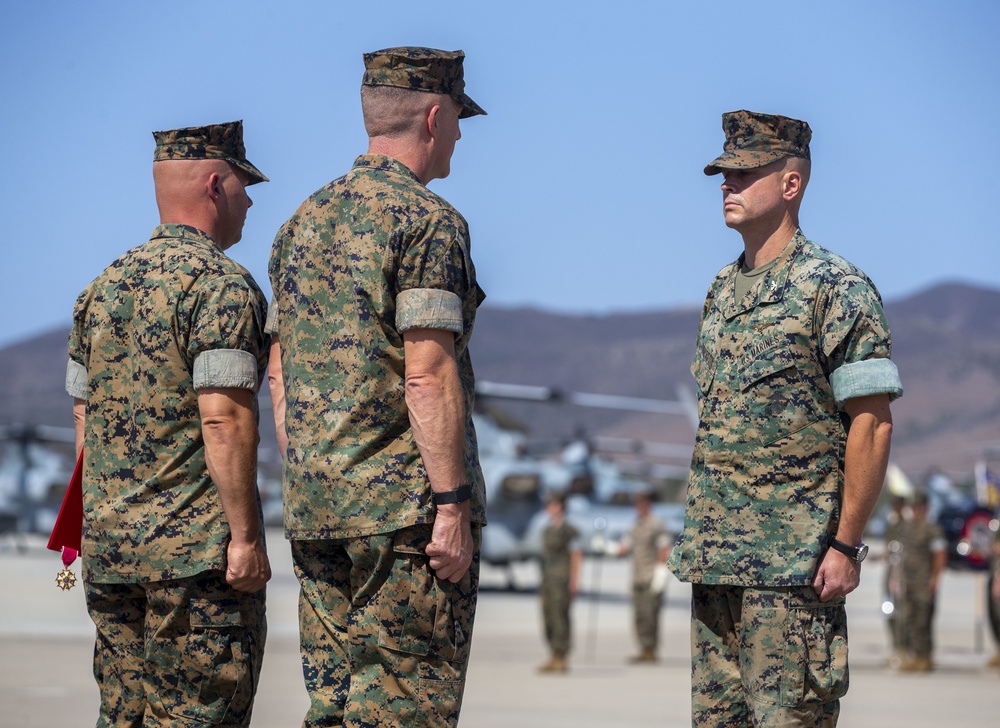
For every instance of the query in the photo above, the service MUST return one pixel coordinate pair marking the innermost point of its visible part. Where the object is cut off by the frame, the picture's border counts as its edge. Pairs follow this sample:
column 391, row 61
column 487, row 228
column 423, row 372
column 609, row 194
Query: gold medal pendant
column 66, row 579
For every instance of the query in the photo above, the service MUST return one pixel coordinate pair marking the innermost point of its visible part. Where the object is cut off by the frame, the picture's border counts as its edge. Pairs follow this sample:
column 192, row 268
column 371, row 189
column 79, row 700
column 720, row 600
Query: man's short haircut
column 802, row 166
column 390, row 111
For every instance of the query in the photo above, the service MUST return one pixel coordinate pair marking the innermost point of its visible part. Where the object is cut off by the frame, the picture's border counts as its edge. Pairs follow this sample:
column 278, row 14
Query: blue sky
column 583, row 187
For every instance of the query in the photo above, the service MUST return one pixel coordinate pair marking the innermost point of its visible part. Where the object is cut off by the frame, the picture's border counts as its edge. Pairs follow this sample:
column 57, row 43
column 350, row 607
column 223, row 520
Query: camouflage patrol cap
column 421, row 69
column 215, row 141
column 754, row 140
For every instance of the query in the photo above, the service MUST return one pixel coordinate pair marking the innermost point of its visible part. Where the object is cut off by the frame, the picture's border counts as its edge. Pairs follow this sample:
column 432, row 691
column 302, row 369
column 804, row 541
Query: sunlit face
column 751, row 196
column 555, row 510
column 235, row 203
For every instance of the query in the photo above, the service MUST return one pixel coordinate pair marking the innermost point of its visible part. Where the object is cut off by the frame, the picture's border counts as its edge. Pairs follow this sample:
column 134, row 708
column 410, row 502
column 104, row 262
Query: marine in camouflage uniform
column 560, row 562
column 924, row 558
column 375, row 297
column 648, row 542
column 893, row 584
column 794, row 376
column 166, row 354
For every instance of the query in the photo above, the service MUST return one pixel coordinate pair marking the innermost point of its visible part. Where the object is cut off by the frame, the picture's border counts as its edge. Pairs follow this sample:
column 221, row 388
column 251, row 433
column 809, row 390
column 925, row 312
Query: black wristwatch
column 858, row 553
column 460, row 494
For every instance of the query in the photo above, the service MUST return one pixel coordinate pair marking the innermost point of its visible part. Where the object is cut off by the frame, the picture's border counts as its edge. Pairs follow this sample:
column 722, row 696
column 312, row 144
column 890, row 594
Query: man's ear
column 792, row 185
column 432, row 120
column 213, row 185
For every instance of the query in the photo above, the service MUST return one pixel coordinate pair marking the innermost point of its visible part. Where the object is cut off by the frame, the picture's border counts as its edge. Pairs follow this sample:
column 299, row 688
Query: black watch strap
column 857, row 553
column 460, row 494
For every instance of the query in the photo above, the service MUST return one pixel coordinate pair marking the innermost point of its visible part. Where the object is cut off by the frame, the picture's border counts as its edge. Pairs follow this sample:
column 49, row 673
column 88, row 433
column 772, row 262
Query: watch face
column 862, row 552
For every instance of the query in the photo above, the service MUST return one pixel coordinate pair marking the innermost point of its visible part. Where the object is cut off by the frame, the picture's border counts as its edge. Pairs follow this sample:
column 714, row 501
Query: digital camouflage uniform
column 557, row 598
column 773, row 370
column 646, row 540
column 921, row 540
column 893, row 537
column 368, row 257
column 176, row 645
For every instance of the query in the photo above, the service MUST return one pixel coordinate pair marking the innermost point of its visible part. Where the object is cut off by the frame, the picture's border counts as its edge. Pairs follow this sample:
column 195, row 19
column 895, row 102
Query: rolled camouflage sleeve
column 428, row 308
column 225, row 368
column 271, row 325
column 77, row 377
column 433, row 276
column 228, row 346
column 865, row 378
column 856, row 341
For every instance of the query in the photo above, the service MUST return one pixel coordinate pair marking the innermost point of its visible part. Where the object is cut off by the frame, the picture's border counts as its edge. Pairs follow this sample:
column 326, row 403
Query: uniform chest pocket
column 775, row 399
column 703, row 370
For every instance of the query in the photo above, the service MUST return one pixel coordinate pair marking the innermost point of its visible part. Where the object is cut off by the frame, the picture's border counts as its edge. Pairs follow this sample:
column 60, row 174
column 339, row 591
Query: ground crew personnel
column 794, row 377
column 166, row 355
column 560, row 562
column 893, row 537
column 649, row 544
column 375, row 297
column 924, row 558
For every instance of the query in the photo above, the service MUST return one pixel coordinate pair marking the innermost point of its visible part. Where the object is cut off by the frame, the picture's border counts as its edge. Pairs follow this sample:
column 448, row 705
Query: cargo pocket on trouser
column 815, row 666
column 215, row 671
column 431, row 620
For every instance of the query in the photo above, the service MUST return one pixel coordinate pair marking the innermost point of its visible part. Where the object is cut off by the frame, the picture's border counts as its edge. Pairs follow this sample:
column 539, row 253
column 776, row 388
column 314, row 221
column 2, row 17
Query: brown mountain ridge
column 946, row 343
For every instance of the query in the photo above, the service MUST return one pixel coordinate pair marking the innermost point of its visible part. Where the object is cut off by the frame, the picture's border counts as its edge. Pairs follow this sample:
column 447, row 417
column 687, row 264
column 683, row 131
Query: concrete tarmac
column 46, row 644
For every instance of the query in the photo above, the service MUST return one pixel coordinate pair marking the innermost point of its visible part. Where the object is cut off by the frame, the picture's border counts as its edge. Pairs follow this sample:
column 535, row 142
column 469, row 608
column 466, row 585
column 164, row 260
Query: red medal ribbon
column 68, row 531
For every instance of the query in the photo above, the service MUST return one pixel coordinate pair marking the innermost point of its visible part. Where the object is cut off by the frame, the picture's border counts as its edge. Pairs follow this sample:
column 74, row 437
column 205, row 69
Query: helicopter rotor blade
column 581, row 399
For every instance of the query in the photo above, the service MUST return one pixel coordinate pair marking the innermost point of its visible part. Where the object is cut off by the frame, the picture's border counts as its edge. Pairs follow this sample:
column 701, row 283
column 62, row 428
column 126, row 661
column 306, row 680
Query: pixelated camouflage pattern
column 893, row 578
column 916, row 622
column 917, row 600
column 767, row 469
column 646, row 537
column 352, row 467
column 554, row 589
column 646, row 605
column 178, row 652
column 383, row 641
column 754, row 140
column 767, row 657
column 215, row 141
column 919, row 540
column 421, row 69
column 151, row 511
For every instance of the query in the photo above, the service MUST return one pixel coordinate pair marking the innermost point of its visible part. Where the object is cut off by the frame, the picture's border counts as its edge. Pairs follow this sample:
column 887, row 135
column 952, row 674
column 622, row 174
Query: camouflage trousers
column 384, row 642
column 766, row 657
column 646, row 605
column 916, row 617
column 178, row 653
column 556, row 602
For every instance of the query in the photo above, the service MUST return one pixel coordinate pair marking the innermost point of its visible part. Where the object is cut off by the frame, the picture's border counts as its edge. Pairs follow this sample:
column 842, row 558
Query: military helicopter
column 600, row 490
column 36, row 462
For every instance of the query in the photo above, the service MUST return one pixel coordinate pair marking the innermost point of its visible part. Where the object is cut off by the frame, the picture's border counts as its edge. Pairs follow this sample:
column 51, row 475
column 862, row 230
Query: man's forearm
column 276, row 385
column 230, row 435
column 437, row 415
column 436, row 409
column 865, row 462
column 79, row 422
